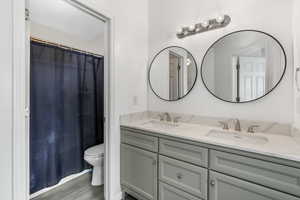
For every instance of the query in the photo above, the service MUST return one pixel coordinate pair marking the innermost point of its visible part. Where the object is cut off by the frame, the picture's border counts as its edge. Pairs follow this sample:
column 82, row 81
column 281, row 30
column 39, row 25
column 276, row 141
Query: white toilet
column 95, row 157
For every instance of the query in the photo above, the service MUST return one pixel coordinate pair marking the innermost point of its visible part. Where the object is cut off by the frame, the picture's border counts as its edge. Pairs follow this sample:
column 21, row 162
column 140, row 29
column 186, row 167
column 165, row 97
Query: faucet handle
column 176, row 119
column 224, row 125
column 251, row 128
column 161, row 117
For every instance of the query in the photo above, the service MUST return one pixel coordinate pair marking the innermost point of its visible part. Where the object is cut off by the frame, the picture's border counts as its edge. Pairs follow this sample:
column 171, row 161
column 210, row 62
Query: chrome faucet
column 251, row 128
column 166, row 116
column 237, row 125
column 224, row 125
column 176, row 119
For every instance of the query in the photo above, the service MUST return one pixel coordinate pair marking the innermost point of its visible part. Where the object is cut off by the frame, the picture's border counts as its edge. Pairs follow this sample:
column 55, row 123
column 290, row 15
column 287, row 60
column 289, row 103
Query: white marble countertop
column 280, row 146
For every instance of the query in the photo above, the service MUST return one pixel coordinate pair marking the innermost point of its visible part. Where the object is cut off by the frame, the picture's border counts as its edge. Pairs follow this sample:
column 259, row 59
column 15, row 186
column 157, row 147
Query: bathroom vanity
column 168, row 161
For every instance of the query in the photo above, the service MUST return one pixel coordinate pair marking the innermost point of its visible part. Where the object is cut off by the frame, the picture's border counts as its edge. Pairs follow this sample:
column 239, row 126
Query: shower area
column 66, row 102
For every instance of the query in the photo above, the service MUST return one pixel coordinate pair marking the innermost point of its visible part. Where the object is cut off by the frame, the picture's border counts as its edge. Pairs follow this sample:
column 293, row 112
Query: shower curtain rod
column 63, row 46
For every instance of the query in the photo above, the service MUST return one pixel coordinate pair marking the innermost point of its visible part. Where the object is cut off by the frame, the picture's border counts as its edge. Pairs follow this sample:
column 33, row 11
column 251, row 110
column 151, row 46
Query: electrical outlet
column 135, row 101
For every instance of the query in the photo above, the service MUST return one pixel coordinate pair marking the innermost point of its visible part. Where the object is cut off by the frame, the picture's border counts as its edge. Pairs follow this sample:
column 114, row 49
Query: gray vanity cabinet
column 223, row 187
column 159, row 167
column 139, row 172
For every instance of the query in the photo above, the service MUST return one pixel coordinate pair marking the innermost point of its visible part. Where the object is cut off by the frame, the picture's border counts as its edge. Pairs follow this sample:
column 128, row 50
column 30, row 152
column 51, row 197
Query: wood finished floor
column 77, row 189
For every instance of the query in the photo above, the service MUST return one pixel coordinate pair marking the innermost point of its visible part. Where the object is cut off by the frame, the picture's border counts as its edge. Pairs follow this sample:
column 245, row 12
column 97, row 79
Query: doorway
column 76, row 41
column 175, row 76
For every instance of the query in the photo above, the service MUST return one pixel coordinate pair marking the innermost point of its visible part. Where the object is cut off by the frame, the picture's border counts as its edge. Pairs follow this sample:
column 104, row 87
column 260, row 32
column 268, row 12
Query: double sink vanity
column 185, row 161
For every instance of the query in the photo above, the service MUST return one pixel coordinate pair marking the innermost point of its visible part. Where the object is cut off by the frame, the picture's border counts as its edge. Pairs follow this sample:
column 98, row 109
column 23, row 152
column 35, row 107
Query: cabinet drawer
column 224, row 187
column 167, row 192
column 280, row 177
column 139, row 140
column 190, row 178
column 186, row 152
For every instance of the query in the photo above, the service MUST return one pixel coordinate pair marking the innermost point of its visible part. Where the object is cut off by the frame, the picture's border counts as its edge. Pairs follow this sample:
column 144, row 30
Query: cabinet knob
column 212, row 182
column 179, row 176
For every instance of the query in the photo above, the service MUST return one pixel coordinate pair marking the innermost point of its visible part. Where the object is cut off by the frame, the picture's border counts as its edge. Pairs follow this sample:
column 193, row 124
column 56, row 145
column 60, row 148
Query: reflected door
column 175, row 78
column 252, row 76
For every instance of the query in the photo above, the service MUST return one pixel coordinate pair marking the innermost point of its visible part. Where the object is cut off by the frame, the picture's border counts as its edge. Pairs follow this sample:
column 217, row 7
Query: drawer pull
column 154, row 162
column 179, row 176
column 212, row 183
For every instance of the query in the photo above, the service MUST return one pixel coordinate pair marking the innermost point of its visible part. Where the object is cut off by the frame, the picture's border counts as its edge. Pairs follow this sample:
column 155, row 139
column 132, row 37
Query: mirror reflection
column 243, row 66
column 173, row 73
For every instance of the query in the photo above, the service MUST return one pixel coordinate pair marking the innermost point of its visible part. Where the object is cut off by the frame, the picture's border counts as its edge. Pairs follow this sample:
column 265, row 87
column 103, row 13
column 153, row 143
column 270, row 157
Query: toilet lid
column 96, row 151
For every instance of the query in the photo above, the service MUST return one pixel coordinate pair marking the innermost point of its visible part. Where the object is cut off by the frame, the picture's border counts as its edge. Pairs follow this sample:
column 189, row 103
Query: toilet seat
column 93, row 157
column 95, row 151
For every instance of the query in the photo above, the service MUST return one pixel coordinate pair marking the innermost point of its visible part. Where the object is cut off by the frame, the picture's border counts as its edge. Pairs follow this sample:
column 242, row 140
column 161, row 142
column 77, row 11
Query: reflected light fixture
column 188, row 62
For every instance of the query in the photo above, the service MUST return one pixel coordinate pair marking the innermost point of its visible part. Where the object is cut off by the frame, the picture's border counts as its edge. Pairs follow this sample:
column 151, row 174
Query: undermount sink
column 160, row 124
column 237, row 137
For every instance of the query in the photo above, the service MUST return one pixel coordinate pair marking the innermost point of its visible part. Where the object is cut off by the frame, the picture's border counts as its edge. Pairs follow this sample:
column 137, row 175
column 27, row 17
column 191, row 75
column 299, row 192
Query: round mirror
column 173, row 73
column 243, row 66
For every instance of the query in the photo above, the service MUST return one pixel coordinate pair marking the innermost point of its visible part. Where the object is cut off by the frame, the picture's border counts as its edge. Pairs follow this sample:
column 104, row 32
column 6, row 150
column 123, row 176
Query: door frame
column 20, row 133
column 180, row 84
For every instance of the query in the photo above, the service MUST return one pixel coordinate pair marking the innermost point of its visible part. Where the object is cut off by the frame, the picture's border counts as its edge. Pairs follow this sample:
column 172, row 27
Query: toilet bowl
column 95, row 157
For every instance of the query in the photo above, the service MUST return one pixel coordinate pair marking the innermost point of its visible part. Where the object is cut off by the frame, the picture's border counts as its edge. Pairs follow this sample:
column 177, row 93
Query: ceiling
column 60, row 15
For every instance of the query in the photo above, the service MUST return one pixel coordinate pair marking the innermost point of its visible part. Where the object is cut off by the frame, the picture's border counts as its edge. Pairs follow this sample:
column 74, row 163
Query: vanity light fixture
column 205, row 24
column 180, row 31
column 220, row 19
column 192, row 28
column 219, row 22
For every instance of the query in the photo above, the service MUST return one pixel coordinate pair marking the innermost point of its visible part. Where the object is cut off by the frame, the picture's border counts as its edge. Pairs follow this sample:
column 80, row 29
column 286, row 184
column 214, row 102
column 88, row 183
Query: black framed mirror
column 243, row 66
column 173, row 73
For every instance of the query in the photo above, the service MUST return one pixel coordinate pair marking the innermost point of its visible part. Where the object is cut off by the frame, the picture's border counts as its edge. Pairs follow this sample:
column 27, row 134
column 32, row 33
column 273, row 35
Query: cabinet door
column 224, row 187
column 139, row 171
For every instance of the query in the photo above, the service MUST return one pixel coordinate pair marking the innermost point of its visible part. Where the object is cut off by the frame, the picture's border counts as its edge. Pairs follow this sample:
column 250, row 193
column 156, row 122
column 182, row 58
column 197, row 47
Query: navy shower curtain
column 66, row 103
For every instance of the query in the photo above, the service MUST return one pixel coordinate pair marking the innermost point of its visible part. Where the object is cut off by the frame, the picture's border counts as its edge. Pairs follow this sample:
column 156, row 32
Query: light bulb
column 205, row 24
column 220, row 19
column 191, row 28
column 198, row 28
column 180, row 31
column 188, row 62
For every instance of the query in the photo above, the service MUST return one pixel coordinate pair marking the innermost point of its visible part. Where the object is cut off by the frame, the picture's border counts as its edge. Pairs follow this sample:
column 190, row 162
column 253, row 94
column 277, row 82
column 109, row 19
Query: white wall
column 6, row 100
column 93, row 45
column 165, row 17
column 296, row 31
